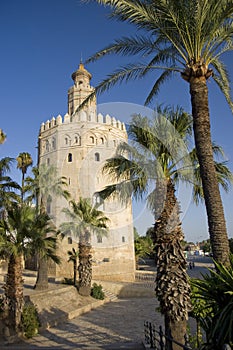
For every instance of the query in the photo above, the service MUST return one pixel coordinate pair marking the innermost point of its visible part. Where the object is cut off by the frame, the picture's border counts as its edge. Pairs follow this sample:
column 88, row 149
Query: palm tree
column 22, row 232
column 24, row 160
column 186, row 37
column 143, row 246
column 85, row 221
column 73, row 256
column 159, row 158
column 2, row 137
column 8, row 187
column 43, row 186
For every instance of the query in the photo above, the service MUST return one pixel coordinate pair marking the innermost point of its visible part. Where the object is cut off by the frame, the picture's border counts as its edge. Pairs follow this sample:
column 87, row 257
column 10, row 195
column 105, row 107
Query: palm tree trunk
column 42, row 275
column 75, row 272
column 85, row 267
column 23, row 180
column 213, row 202
column 14, row 297
column 172, row 285
column 42, row 272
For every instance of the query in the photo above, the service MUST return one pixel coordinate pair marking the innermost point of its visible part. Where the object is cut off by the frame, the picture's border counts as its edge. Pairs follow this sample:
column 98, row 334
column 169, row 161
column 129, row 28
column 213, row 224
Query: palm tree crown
column 181, row 36
column 86, row 219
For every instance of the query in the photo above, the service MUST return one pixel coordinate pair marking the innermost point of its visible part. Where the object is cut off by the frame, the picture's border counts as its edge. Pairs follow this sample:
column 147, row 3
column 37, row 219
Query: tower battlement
column 82, row 117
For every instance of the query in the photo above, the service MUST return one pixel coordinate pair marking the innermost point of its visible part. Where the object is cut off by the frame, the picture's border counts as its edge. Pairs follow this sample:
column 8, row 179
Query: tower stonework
column 78, row 145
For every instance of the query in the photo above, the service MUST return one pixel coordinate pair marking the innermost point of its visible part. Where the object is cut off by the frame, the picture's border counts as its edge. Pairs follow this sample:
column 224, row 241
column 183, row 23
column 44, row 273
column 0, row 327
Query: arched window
column 98, row 202
column 69, row 157
column 99, row 239
column 92, row 139
column 77, row 140
column 102, row 140
column 123, row 239
column 70, row 241
column 97, row 157
column 53, row 143
column 47, row 145
column 48, row 205
column 67, row 141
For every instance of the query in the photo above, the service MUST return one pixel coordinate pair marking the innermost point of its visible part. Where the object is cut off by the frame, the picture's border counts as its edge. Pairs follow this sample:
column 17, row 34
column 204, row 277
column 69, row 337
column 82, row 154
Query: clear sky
column 42, row 43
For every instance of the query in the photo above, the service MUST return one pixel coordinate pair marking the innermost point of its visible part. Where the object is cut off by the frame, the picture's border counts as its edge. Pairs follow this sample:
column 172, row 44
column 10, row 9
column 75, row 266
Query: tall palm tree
column 157, row 159
column 2, row 136
column 187, row 37
column 85, row 221
column 73, row 257
column 44, row 185
column 24, row 160
column 22, row 232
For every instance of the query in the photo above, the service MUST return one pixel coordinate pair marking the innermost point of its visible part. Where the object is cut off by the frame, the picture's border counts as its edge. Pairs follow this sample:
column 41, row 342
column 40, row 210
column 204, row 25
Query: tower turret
column 80, row 90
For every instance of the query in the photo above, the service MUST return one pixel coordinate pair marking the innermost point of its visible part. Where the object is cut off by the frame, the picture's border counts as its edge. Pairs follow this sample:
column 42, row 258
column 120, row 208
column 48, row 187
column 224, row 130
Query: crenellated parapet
column 82, row 117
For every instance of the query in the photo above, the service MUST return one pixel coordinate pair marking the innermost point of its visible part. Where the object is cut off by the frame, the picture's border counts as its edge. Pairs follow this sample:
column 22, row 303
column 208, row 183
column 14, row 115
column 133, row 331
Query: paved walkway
column 115, row 325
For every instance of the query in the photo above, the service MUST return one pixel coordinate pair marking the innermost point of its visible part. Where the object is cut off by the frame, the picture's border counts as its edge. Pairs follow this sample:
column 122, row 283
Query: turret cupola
column 81, row 76
column 80, row 90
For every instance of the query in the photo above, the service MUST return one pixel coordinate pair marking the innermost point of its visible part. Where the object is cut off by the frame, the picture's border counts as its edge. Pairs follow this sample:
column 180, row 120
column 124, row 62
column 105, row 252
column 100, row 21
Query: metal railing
column 156, row 339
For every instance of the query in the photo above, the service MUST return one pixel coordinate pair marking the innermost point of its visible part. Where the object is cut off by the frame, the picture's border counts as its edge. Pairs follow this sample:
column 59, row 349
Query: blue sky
column 42, row 43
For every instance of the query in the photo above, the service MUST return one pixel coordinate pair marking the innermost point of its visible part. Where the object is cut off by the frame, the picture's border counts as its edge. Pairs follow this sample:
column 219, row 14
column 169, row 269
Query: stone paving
column 115, row 325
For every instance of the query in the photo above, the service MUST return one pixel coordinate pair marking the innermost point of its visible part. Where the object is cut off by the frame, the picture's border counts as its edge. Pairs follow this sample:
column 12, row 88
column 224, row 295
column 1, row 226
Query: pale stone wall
column 78, row 145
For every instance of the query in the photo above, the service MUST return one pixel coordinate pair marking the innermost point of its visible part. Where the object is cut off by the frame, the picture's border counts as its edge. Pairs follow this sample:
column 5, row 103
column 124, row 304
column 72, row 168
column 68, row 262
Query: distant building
column 78, row 144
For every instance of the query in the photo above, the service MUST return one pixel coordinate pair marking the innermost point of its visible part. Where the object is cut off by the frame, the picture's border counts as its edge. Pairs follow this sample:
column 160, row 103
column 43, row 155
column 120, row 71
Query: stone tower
column 78, row 145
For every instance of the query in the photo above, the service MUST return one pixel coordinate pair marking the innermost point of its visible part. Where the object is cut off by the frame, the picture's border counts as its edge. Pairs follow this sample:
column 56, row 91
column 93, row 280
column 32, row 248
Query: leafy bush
column 69, row 281
column 97, row 291
column 30, row 320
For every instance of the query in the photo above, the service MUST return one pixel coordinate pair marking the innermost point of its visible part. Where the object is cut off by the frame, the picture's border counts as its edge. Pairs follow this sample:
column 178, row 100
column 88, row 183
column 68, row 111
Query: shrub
column 30, row 320
column 69, row 281
column 97, row 291
column 213, row 305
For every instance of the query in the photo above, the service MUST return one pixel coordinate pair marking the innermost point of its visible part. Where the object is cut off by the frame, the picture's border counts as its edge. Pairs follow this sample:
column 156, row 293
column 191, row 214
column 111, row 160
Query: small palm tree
column 188, row 38
column 8, row 187
column 22, row 233
column 44, row 185
column 214, row 292
column 24, row 160
column 156, row 160
column 85, row 221
column 143, row 246
column 73, row 257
